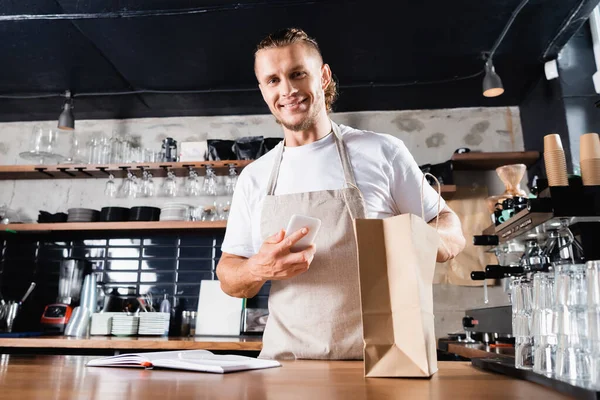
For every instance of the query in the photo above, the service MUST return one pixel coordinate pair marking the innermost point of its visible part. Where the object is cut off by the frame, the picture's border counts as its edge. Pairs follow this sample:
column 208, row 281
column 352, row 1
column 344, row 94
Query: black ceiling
column 373, row 47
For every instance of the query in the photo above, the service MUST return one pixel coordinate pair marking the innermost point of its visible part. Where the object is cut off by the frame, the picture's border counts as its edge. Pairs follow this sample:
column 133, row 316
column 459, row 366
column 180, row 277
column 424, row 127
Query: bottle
column 165, row 305
column 192, row 323
column 185, row 323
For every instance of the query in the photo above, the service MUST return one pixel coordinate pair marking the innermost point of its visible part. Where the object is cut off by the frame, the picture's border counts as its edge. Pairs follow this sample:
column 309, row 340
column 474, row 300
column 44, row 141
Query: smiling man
column 334, row 173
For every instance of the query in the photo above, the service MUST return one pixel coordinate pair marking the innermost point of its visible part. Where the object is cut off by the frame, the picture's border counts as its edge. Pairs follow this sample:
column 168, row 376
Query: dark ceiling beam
column 572, row 23
column 577, row 17
column 157, row 13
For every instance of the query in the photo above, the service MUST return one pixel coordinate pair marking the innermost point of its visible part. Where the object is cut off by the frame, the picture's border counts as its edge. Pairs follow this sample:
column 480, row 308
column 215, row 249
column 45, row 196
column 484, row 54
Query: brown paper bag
column 469, row 204
column 396, row 258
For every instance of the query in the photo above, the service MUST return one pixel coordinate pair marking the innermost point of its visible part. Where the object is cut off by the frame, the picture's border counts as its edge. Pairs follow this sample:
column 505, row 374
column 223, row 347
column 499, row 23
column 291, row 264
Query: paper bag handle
column 439, row 198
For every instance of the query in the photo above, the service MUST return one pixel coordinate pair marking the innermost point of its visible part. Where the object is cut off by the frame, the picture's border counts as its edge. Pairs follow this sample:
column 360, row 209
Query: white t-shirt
column 385, row 172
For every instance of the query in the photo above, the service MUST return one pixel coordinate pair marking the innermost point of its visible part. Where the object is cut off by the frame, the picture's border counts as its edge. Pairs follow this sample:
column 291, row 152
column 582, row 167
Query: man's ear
column 325, row 76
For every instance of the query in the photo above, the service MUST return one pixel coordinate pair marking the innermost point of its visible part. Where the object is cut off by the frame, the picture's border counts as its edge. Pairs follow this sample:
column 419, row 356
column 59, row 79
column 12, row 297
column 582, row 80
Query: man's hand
column 275, row 261
column 452, row 240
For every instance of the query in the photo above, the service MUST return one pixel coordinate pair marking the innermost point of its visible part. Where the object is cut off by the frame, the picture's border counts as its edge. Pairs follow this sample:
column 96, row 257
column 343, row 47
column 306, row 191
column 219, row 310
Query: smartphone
column 298, row 222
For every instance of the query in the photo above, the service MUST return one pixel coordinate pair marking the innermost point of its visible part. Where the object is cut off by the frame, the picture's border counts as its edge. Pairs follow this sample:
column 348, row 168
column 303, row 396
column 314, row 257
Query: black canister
column 169, row 149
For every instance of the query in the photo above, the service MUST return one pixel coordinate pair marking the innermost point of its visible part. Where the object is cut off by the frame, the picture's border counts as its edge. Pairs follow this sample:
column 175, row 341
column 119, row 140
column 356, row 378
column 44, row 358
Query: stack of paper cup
column 554, row 159
column 589, row 157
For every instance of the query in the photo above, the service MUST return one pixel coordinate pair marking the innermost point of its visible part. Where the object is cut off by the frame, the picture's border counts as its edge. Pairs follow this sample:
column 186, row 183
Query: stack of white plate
column 82, row 215
column 175, row 212
column 102, row 323
column 125, row 325
column 154, row 323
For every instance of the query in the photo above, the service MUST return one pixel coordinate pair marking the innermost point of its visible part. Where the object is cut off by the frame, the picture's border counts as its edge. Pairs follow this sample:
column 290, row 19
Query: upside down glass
column 521, row 294
column 593, row 304
column 573, row 361
column 544, row 338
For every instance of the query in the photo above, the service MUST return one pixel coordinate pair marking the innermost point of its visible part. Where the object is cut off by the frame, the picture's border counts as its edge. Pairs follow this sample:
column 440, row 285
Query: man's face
column 291, row 80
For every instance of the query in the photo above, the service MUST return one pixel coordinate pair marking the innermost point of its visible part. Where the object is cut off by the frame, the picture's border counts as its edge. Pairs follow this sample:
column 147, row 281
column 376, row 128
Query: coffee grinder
column 57, row 315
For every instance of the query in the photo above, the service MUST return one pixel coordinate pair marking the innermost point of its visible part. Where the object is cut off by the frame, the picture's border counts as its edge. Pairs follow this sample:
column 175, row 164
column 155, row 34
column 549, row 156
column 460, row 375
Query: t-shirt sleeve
column 406, row 186
column 238, row 236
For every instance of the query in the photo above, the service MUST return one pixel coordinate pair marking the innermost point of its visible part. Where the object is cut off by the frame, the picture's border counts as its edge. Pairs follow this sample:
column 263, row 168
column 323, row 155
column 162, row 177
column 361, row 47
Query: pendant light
column 492, row 84
column 66, row 119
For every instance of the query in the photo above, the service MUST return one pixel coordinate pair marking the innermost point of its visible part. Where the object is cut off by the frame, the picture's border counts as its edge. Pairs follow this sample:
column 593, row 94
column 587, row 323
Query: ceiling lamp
column 492, row 84
column 66, row 120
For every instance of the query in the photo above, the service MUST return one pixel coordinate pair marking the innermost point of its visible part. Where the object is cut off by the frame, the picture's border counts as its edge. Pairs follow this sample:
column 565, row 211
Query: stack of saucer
column 154, row 323
column 175, row 212
column 83, row 215
column 125, row 325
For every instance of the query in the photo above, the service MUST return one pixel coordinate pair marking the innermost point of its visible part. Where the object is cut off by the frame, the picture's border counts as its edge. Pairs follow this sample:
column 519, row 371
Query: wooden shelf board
column 492, row 160
column 104, row 226
column 87, row 171
column 148, row 342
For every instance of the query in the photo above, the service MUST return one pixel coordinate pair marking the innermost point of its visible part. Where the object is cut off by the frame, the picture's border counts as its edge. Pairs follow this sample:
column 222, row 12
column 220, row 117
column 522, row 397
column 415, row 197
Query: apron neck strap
column 342, row 152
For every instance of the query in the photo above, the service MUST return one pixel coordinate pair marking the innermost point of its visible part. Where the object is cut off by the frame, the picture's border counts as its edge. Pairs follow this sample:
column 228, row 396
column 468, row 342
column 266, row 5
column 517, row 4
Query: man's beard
column 306, row 123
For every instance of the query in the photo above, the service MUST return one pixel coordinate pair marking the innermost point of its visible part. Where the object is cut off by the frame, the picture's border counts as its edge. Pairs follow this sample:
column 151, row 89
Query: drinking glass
column 129, row 188
column 147, row 185
column 192, row 186
column 169, row 187
column 209, row 186
column 544, row 338
column 573, row 359
column 110, row 190
column 231, row 180
column 522, row 302
column 43, row 145
column 223, row 211
column 593, row 303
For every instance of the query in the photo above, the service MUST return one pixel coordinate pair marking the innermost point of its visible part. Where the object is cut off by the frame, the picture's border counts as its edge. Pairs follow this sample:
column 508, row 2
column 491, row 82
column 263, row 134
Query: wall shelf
column 481, row 161
column 114, row 226
column 87, row 171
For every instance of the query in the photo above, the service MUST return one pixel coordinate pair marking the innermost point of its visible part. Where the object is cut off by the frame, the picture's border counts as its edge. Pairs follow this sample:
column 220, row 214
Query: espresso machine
column 560, row 226
column 56, row 316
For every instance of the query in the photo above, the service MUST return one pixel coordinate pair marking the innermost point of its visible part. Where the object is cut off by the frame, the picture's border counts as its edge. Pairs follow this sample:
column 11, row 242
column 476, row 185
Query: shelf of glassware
column 114, row 226
column 88, row 171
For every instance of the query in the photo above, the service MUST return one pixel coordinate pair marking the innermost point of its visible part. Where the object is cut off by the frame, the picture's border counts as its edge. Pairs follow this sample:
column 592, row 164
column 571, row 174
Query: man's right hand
column 275, row 261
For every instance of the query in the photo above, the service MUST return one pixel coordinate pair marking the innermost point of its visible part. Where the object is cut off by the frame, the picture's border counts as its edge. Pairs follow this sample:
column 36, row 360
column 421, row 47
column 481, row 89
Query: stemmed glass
column 129, row 188
column 169, row 187
column 147, row 185
column 110, row 190
column 231, row 180
column 192, row 184
column 210, row 182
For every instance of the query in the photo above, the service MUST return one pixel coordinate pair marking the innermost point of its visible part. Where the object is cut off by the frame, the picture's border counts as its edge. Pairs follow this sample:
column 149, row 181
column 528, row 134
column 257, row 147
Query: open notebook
column 191, row 360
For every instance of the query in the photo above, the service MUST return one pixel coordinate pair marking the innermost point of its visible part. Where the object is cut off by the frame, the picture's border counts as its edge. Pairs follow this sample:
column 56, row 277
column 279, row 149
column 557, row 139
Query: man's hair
column 289, row 36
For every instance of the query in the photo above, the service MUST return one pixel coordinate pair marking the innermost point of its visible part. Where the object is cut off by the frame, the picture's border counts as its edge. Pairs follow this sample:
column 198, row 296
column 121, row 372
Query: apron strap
column 342, row 152
column 275, row 170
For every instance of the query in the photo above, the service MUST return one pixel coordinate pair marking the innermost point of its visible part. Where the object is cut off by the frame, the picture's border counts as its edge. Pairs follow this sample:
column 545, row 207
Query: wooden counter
column 66, row 377
column 137, row 343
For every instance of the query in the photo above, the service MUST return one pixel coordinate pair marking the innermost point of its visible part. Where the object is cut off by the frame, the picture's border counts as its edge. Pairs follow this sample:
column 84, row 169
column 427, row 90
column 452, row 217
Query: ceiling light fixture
column 66, row 119
column 492, row 84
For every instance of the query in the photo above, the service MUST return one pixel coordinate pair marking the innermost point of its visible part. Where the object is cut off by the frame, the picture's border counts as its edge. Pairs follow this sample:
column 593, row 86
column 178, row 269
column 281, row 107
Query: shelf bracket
column 64, row 170
column 103, row 169
column 83, row 171
column 43, row 171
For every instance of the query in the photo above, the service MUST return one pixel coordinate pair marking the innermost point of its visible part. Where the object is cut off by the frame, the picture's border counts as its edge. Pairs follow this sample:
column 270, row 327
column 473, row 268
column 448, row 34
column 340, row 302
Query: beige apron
column 316, row 315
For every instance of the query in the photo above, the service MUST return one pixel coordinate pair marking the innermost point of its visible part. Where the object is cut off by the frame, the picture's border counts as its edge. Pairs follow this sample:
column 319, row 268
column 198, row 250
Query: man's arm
column 235, row 277
column 452, row 239
column 243, row 277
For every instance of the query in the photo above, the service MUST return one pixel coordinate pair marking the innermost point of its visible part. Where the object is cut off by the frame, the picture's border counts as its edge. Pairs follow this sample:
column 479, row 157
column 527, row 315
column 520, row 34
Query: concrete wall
column 431, row 136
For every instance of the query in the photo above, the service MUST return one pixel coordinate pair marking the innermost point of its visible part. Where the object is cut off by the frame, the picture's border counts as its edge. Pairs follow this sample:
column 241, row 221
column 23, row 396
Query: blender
column 57, row 315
